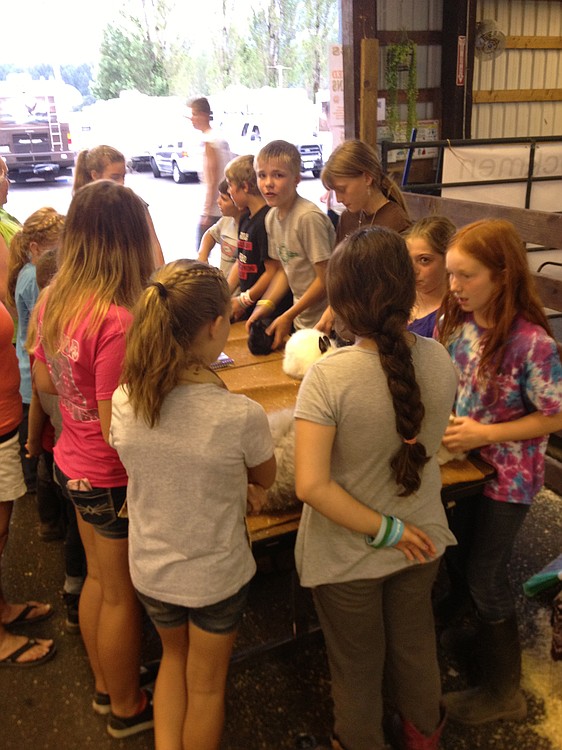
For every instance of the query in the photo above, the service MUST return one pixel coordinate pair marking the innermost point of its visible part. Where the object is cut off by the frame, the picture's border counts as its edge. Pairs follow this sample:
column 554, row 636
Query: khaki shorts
column 12, row 484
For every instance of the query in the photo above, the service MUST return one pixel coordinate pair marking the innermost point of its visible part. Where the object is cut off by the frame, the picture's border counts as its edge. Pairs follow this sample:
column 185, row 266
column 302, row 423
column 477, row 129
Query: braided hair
column 371, row 287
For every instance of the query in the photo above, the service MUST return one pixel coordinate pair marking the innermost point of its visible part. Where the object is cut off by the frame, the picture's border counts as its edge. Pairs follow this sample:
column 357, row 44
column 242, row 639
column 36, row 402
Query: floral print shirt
column 530, row 379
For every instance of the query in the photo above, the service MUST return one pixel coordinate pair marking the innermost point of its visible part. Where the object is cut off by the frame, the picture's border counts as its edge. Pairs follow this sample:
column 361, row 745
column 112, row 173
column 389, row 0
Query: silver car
column 181, row 159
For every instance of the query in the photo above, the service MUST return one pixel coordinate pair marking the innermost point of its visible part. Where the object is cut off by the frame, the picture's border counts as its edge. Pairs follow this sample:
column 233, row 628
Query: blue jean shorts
column 221, row 618
column 99, row 507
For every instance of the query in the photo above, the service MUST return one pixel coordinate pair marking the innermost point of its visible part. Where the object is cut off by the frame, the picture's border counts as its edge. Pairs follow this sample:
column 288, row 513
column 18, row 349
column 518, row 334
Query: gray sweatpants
column 379, row 627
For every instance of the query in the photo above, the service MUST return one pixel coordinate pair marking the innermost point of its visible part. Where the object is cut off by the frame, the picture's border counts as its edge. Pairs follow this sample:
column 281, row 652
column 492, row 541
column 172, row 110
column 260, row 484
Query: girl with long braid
column 369, row 420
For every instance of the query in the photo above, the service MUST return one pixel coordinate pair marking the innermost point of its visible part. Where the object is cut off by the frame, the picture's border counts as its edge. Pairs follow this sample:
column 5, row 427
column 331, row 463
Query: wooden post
column 358, row 21
column 368, row 87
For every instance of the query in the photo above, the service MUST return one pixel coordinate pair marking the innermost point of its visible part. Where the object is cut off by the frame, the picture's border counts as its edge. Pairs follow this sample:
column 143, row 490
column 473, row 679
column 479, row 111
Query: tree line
column 142, row 48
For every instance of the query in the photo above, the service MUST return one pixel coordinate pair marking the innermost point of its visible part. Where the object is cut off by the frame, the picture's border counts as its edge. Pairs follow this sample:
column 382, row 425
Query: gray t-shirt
column 348, row 389
column 187, row 489
column 304, row 237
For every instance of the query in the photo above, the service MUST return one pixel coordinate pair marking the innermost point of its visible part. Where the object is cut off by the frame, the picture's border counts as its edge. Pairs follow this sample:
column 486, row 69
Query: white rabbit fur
column 281, row 495
column 444, row 455
column 303, row 349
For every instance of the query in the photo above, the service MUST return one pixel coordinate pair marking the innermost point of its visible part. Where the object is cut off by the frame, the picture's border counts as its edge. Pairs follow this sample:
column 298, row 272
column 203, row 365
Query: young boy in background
column 301, row 237
column 255, row 269
column 224, row 232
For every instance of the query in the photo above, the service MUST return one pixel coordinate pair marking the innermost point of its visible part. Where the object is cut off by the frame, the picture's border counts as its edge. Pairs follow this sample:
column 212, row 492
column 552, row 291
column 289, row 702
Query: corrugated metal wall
column 414, row 15
column 517, row 69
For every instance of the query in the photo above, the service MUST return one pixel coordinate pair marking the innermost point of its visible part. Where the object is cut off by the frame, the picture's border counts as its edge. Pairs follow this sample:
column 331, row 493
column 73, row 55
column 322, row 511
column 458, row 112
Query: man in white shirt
column 216, row 156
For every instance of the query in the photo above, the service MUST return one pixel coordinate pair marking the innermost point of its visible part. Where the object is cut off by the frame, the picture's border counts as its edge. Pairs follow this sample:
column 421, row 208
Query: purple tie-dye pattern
column 530, row 380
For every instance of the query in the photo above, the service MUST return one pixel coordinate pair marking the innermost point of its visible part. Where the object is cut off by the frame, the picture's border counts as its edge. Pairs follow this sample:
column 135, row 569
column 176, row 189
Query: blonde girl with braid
column 369, row 420
column 41, row 232
column 190, row 448
column 107, row 163
column 371, row 198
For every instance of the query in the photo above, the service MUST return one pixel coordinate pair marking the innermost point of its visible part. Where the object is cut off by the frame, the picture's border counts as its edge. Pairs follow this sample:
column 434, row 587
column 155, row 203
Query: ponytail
column 391, row 191
column 81, row 175
column 154, row 357
column 184, row 296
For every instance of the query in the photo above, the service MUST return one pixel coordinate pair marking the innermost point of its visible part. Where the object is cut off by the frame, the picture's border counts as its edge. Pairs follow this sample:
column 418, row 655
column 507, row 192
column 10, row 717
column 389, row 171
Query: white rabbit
column 303, row 349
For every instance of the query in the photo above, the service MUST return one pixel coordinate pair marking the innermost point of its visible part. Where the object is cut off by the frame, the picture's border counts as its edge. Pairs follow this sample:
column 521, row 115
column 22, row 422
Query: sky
column 70, row 31
column 59, row 31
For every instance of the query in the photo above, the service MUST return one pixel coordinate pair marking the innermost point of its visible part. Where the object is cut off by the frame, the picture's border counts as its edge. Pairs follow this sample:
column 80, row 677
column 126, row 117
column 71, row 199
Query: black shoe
column 147, row 677
column 125, row 726
column 50, row 532
column 72, row 623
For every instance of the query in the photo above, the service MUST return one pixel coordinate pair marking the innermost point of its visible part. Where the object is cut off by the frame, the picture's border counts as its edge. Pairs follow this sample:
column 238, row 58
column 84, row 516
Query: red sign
column 461, row 60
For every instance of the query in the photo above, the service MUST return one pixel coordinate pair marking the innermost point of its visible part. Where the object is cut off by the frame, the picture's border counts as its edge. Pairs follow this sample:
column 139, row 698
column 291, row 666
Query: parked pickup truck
column 34, row 140
column 251, row 135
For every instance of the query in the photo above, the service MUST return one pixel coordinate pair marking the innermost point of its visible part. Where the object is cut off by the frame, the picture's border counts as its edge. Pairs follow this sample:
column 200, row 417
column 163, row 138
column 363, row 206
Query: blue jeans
column 99, row 507
column 221, row 618
column 486, row 531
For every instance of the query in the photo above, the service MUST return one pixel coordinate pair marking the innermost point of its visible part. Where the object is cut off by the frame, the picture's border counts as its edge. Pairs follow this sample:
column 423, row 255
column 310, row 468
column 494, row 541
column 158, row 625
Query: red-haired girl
column 508, row 400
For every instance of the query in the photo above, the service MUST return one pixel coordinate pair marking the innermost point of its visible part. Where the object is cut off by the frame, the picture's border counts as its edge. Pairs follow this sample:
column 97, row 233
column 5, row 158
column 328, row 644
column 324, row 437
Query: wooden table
column 261, row 377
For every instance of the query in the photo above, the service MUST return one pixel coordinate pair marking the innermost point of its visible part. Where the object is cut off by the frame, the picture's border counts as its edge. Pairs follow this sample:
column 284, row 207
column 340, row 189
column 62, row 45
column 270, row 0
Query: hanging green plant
column 400, row 58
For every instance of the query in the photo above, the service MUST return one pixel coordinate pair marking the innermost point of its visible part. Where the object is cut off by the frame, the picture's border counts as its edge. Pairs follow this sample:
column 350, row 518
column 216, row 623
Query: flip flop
column 11, row 660
column 23, row 619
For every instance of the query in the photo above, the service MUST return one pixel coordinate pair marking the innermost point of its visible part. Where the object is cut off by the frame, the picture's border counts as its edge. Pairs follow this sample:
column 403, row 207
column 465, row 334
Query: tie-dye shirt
column 530, row 380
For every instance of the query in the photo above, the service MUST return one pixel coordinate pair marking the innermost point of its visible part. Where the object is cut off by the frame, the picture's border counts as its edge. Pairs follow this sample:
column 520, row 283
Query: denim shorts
column 221, row 618
column 99, row 507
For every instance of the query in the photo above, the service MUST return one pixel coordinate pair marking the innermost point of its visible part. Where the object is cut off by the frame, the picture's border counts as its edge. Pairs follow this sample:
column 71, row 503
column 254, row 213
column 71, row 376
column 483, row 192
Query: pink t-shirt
column 86, row 371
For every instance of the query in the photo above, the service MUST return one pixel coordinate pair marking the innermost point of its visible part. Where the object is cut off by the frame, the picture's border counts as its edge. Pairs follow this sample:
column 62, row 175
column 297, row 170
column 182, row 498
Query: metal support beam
column 457, row 70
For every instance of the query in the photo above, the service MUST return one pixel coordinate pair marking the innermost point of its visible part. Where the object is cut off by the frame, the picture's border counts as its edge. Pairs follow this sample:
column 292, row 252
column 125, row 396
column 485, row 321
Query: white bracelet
column 245, row 299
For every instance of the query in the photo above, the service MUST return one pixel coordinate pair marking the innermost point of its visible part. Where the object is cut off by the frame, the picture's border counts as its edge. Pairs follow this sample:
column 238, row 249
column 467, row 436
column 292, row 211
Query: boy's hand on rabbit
column 464, row 434
column 416, row 545
column 326, row 322
column 259, row 311
column 280, row 329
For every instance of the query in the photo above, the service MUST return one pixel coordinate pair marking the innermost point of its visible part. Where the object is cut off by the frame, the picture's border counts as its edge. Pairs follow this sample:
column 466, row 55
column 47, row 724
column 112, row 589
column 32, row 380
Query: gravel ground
column 272, row 697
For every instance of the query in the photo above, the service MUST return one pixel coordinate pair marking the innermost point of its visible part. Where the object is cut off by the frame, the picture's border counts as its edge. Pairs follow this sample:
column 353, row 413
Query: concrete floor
column 272, row 697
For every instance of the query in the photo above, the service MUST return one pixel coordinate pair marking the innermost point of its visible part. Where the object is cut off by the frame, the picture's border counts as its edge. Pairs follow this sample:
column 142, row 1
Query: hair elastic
column 162, row 291
column 412, row 441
